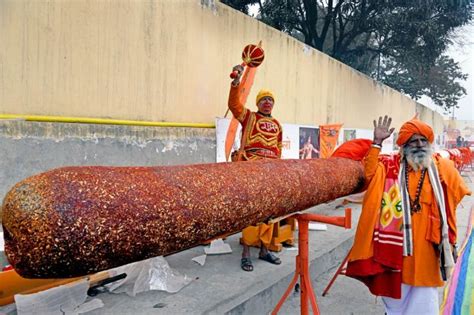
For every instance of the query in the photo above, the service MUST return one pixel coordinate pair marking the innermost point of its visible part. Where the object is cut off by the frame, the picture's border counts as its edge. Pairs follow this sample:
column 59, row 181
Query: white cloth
column 446, row 255
column 414, row 301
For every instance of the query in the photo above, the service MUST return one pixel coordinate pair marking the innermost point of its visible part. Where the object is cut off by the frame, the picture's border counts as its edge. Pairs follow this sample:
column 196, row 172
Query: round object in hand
column 253, row 55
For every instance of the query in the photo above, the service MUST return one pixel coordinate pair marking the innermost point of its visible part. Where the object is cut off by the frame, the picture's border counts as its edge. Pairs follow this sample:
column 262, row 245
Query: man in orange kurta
column 261, row 139
column 401, row 249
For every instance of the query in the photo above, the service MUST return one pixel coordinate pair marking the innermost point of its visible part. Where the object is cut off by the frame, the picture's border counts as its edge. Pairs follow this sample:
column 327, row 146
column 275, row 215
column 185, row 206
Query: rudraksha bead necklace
column 415, row 204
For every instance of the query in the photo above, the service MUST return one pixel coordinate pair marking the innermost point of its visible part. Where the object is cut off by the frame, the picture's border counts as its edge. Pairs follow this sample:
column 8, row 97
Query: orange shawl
column 380, row 279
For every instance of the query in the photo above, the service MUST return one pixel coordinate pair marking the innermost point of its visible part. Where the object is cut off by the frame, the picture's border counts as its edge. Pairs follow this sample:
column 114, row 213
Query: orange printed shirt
column 262, row 135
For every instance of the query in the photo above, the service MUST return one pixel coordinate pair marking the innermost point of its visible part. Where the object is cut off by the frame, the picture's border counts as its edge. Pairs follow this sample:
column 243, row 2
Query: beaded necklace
column 415, row 204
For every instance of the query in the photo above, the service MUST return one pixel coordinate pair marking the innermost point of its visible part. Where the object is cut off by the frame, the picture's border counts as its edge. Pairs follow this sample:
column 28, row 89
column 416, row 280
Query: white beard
column 418, row 158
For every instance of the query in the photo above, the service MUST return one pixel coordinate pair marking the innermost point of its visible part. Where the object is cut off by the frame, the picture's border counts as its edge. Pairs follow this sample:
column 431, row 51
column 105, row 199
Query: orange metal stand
column 302, row 261
column 340, row 271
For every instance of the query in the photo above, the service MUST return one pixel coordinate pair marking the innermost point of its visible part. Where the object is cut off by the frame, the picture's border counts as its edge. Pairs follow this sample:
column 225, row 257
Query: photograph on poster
column 309, row 143
column 349, row 134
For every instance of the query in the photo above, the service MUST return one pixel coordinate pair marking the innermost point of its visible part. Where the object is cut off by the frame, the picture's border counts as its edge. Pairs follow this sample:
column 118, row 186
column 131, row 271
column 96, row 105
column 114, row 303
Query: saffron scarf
column 388, row 237
column 393, row 235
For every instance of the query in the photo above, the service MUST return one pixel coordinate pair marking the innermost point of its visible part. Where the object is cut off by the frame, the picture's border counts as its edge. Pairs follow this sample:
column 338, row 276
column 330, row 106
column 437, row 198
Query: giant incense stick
column 75, row 221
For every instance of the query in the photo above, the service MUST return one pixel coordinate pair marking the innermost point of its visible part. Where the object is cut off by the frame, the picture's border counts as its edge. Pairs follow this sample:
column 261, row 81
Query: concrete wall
column 170, row 61
column 28, row 148
column 431, row 117
column 156, row 61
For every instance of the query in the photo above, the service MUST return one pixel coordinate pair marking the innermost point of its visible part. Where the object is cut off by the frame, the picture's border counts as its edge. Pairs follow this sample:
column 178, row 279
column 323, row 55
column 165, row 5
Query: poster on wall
column 308, row 143
column 364, row 133
column 303, row 141
column 329, row 135
column 222, row 125
column 290, row 140
column 300, row 141
column 440, row 142
column 349, row 134
column 357, row 133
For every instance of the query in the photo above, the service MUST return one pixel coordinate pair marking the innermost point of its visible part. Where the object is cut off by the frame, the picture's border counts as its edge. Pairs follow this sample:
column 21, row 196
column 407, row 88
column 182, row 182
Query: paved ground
column 346, row 296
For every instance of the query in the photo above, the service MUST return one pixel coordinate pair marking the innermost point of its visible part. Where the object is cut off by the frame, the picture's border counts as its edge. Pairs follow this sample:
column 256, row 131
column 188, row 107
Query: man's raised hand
column 381, row 129
column 238, row 69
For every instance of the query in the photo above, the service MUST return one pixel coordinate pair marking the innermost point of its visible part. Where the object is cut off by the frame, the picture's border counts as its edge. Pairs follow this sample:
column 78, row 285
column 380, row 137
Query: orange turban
column 412, row 127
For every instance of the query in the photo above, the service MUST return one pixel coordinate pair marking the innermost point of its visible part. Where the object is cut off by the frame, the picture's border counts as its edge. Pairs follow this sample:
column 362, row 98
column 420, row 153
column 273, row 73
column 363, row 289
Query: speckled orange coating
column 75, row 221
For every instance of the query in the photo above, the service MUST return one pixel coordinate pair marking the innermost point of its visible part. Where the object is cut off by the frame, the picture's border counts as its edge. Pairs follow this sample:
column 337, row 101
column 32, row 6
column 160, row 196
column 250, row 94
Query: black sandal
column 246, row 264
column 269, row 257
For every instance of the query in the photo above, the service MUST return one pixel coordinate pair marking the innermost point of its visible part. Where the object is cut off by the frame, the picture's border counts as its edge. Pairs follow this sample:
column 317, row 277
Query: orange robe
column 422, row 268
column 262, row 138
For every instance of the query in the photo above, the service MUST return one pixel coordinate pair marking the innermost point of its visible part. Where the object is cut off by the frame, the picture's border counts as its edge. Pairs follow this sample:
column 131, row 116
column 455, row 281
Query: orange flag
column 328, row 135
column 244, row 89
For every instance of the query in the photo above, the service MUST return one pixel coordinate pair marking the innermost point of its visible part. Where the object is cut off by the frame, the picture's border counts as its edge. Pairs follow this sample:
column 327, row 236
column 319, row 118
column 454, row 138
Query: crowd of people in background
column 461, row 142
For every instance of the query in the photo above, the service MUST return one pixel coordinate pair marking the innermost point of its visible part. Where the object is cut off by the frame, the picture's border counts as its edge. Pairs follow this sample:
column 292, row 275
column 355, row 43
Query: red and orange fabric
column 422, row 268
column 255, row 235
column 465, row 156
column 355, row 149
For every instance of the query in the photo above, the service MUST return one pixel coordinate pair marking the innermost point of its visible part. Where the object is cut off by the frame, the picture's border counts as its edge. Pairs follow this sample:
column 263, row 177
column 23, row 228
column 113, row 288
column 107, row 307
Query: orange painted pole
column 290, row 287
column 306, row 289
column 302, row 260
column 340, row 271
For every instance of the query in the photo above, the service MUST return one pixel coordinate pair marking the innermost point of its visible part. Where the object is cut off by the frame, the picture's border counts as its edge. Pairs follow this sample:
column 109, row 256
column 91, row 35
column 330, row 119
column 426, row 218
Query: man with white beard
column 418, row 152
column 405, row 240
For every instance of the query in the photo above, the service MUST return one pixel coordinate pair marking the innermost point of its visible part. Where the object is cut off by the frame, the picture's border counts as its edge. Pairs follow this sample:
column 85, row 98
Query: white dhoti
column 415, row 300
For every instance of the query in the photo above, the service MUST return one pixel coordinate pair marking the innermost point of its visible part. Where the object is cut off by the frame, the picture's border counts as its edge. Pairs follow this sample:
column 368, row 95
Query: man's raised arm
column 235, row 106
column 382, row 131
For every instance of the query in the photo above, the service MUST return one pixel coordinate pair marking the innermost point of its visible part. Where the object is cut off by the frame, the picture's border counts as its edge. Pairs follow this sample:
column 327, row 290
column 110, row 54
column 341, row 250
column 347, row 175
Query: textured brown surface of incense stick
column 75, row 221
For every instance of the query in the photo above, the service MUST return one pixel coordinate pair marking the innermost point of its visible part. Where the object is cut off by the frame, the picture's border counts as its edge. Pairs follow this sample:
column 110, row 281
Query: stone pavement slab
column 220, row 286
